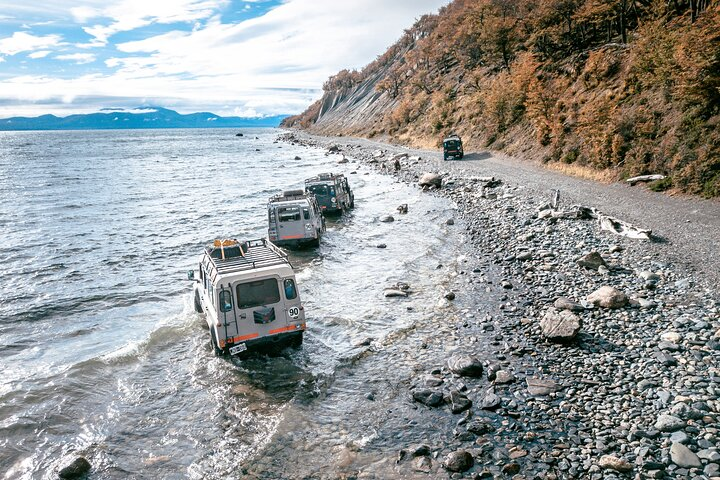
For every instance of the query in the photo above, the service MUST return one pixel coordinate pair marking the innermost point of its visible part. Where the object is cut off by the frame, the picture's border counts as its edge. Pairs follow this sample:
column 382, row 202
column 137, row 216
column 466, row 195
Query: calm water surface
column 101, row 353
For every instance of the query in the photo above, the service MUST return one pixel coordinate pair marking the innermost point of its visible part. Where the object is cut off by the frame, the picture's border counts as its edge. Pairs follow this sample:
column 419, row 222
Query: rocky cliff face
column 603, row 89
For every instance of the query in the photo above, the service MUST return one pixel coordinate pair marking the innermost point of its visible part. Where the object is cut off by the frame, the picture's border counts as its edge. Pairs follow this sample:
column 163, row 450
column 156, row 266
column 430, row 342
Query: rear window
column 451, row 144
column 318, row 189
column 288, row 214
column 261, row 292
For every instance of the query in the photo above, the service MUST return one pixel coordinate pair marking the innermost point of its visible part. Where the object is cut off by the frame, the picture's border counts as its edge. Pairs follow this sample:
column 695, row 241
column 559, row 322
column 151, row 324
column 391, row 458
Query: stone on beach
column 431, row 398
column 608, row 297
column 669, row 423
column 682, row 456
column 614, row 463
column 592, row 261
column 562, row 326
column 429, row 179
column 76, row 469
column 465, row 365
column 459, row 461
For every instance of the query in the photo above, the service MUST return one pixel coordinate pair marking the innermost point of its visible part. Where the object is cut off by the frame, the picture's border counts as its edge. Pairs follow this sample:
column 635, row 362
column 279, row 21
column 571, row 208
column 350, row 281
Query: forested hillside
column 610, row 88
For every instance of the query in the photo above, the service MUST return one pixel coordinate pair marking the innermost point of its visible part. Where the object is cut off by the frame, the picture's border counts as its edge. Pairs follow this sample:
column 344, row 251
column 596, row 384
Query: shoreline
column 625, row 397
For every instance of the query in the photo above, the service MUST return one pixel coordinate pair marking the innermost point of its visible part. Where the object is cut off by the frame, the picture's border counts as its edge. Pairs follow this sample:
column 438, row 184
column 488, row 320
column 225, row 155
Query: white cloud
column 78, row 58
column 266, row 65
column 39, row 54
column 129, row 15
column 23, row 42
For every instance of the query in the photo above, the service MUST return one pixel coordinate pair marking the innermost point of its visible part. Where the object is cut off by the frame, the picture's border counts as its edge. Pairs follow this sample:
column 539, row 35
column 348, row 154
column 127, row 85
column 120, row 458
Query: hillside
column 144, row 117
column 606, row 89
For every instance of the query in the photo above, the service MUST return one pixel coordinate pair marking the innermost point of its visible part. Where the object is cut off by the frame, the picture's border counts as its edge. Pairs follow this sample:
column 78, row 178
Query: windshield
column 261, row 292
column 318, row 189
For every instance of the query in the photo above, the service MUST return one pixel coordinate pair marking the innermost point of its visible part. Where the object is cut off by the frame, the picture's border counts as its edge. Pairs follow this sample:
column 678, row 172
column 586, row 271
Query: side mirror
column 191, row 274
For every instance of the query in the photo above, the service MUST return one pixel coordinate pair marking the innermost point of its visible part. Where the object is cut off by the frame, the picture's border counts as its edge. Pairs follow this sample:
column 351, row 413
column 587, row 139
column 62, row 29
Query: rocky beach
column 575, row 351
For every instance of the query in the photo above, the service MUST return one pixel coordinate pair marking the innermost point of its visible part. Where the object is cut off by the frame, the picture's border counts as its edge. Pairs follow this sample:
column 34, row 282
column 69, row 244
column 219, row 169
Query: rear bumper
column 297, row 243
column 270, row 342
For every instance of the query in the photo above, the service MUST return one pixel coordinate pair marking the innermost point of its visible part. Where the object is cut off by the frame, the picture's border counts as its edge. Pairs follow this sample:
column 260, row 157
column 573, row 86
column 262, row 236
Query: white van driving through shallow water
column 248, row 293
column 295, row 220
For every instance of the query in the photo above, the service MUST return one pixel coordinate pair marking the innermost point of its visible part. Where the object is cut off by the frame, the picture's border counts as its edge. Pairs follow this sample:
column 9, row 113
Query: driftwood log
column 644, row 178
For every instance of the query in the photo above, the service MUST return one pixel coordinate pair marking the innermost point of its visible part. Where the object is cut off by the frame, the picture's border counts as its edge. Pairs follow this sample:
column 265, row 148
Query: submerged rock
column 387, row 219
column 76, row 469
column 431, row 398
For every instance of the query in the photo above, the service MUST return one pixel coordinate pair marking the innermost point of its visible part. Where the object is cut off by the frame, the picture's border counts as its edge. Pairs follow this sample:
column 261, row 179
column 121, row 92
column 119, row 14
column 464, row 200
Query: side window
column 332, row 191
column 225, row 301
column 270, row 215
column 290, row 290
column 306, row 214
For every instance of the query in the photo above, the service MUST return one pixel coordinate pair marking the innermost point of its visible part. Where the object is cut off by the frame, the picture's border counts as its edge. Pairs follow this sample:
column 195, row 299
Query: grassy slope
column 552, row 81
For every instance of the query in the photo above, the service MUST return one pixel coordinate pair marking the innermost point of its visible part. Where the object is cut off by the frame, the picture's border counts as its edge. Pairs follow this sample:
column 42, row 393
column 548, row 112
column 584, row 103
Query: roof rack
column 290, row 196
column 257, row 254
column 323, row 176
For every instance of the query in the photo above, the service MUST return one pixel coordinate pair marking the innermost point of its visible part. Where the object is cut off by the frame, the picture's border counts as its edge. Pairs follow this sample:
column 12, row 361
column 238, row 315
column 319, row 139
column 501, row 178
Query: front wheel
column 297, row 341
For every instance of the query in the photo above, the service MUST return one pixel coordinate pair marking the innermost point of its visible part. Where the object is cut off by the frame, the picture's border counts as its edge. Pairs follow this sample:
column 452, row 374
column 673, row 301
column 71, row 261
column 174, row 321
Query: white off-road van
column 295, row 220
column 249, row 296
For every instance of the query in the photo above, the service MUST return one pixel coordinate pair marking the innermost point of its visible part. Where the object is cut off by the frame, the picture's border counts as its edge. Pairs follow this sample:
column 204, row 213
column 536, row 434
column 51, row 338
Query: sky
column 230, row 57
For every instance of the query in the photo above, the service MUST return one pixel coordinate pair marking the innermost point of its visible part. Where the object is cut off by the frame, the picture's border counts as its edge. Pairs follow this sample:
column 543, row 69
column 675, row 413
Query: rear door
column 291, row 225
column 261, row 307
column 227, row 311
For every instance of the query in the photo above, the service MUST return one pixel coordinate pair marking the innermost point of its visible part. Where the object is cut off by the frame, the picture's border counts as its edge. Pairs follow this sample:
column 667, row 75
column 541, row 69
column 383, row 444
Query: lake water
column 101, row 353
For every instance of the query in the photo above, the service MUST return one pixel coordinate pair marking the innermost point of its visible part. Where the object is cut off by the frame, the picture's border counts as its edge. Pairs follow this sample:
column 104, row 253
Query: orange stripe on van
column 291, row 237
column 242, row 338
column 290, row 328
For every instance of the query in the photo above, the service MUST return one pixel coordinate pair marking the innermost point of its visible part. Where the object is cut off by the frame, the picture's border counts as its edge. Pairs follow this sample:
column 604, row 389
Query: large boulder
column 560, row 326
column 608, row 297
column 430, row 180
column 465, row 365
column 431, row 398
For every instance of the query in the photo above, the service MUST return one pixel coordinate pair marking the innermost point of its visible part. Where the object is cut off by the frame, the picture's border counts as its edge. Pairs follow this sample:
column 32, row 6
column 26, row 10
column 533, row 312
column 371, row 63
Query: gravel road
column 687, row 229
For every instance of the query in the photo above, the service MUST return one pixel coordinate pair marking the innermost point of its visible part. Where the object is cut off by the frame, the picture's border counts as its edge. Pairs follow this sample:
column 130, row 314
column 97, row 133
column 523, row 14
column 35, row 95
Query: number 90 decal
column 294, row 312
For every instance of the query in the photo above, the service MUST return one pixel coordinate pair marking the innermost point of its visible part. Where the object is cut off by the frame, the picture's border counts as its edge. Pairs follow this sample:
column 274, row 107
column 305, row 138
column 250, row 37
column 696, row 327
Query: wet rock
column 592, row 261
column 682, row 456
column 669, row 423
column 387, row 219
column 458, row 402
column 431, row 398
column 541, row 386
column 343, row 160
column 506, row 284
column 429, row 179
column 459, row 461
column 479, row 426
column 450, row 221
column 504, row 376
column 450, row 295
column 561, row 327
column 490, row 401
column 296, row 157
column 608, row 297
column 419, row 450
column 465, row 365
column 511, row 468
column 76, row 469
column 333, row 149
column 239, row 135
column 381, row 245
column 610, row 462
column 564, row 303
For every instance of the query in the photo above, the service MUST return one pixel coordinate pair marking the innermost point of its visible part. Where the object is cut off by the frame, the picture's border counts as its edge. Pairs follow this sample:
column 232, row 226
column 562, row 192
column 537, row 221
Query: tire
column 297, row 341
column 352, row 202
column 217, row 351
column 445, row 157
column 197, row 304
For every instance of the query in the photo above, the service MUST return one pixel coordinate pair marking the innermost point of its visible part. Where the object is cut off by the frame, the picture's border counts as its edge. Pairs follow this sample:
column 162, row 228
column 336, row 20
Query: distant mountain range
column 144, row 117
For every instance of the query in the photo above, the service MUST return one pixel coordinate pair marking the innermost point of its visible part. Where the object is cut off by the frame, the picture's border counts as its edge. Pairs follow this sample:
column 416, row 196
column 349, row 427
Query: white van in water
column 295, row 220
column 248, row 293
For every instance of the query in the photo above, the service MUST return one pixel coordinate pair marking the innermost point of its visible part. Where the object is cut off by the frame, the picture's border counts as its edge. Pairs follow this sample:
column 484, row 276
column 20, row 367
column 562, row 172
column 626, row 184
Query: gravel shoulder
column 688, row 228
